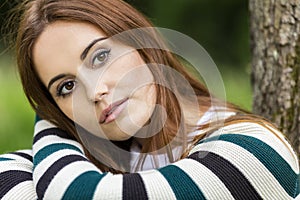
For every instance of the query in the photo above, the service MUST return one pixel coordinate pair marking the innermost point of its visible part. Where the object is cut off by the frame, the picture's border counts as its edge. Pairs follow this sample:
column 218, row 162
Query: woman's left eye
column 100, row 57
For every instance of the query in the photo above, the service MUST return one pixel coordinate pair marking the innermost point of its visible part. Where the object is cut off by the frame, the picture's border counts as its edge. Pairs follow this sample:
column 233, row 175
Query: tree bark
column 275, row 48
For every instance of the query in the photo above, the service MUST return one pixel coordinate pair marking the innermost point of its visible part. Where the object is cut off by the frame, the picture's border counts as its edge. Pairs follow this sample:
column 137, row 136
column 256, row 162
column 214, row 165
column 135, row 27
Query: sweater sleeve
column 16, row 176
column 232, row 163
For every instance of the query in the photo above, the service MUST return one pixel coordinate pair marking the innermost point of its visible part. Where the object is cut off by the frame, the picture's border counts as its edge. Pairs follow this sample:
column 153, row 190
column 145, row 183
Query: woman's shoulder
column 256, row 131
column 257, row 136
column 258, row 153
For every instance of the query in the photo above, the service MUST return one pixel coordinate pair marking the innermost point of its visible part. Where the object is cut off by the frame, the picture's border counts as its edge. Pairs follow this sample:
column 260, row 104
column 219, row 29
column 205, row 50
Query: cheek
column 67, row 108
column 142, row 104
column 129, row 68
column 82, row 113
column 76, row 106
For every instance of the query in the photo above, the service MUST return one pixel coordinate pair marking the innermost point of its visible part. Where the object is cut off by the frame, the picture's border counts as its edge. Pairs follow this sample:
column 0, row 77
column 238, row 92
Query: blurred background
column 221, row 27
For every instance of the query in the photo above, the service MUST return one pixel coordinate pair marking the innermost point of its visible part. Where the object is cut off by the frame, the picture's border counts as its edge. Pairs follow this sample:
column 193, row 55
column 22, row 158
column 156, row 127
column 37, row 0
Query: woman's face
column 100, row 84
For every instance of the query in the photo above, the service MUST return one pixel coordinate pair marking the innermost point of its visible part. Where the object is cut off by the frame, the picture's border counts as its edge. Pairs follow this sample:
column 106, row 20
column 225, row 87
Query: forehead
column 60, row 46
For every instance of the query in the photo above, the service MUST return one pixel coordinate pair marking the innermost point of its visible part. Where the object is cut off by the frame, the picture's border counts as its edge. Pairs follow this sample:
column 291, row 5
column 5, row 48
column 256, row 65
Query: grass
column 17, row 117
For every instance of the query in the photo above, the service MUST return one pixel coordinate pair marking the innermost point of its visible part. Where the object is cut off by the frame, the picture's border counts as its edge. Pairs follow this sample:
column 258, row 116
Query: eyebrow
column 86, row 50
column 55, row 78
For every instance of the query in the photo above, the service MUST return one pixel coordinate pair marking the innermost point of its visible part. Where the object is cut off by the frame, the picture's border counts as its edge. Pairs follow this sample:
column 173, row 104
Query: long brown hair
column 112, row 17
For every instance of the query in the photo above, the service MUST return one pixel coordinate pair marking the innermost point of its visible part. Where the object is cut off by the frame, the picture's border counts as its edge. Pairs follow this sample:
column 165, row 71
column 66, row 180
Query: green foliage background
column 221, row 27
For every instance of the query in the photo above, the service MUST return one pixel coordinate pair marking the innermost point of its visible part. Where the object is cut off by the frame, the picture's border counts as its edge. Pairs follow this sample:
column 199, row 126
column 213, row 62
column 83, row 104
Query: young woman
column 121, row 117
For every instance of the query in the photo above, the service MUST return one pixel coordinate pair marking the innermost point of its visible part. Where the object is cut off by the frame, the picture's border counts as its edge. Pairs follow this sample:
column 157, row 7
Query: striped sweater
column 239, row 161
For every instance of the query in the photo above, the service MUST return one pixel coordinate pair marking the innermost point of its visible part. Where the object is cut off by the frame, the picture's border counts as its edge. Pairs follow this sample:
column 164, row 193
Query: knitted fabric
column 239, row 161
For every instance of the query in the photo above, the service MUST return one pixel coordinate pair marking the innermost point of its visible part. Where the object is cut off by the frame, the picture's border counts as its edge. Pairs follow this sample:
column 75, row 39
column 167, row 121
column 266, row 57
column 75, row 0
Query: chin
column 119, row 139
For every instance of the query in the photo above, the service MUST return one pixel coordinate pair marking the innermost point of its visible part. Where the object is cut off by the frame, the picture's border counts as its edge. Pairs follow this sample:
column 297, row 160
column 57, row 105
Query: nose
column 95, row 85
column 100, row 92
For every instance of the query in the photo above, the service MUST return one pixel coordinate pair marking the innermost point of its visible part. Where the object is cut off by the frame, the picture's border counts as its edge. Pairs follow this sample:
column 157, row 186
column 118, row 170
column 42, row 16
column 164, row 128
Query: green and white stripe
column 236, row 161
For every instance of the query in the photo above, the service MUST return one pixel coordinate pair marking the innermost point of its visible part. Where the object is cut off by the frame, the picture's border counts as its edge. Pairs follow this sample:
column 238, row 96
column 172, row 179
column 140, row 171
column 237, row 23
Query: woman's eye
column 66, row 88
column 100, row 57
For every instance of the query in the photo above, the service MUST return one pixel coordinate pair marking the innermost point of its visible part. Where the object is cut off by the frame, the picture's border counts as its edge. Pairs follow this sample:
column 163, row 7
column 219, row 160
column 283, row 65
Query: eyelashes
column 100, row 57
column 66, row 88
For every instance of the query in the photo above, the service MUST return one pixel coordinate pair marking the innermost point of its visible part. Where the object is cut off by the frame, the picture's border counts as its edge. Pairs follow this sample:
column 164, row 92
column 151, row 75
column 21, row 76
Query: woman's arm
column 233, row 165
column 16, row 176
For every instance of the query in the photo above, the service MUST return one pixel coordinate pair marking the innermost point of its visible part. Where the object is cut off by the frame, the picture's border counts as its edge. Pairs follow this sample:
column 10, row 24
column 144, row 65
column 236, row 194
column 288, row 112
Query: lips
column 110, row 113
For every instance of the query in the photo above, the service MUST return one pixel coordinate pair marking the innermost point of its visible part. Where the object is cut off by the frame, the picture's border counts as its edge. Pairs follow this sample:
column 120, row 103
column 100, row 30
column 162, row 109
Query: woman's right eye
column 66, row 88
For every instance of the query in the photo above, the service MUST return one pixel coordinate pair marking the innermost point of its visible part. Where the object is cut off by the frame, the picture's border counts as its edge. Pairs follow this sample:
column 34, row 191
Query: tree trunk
column 275, row 48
